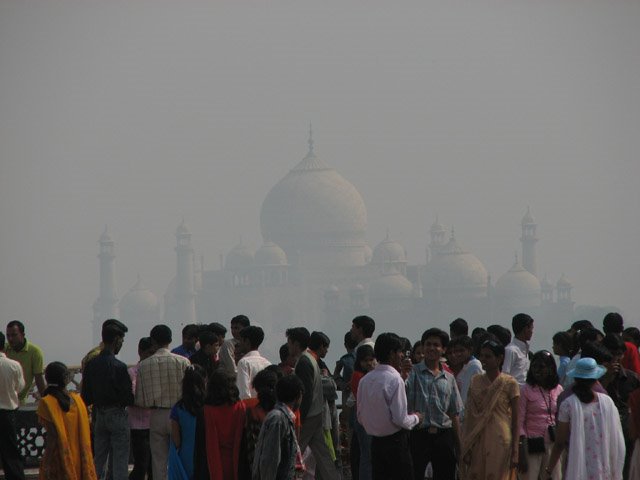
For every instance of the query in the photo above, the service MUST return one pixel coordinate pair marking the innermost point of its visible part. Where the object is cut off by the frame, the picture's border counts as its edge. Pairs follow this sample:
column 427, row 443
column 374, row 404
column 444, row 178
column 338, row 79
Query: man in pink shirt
column 382, row 411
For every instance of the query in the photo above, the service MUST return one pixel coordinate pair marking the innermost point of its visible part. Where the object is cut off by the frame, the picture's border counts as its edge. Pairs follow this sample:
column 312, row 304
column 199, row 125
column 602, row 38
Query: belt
column 399, row 433
column 160, row 408
column 433, row 430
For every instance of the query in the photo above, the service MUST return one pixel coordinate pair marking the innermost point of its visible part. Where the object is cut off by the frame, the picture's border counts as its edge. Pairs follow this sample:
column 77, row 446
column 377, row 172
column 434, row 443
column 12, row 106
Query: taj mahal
column 315, row 268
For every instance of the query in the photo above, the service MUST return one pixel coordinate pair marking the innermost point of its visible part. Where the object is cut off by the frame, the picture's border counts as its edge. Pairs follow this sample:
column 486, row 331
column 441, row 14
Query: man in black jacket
column 311, row 408
column 107, row 386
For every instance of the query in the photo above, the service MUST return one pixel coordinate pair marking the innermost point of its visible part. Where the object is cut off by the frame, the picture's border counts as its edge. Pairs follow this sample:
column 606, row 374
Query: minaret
column 106, row 306
column 185, row 302
column 437, row 233
column 529, row 239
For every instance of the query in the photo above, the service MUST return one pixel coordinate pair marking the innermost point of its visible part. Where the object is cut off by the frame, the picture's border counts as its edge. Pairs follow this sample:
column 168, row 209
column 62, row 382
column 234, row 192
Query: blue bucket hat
column 587, row 368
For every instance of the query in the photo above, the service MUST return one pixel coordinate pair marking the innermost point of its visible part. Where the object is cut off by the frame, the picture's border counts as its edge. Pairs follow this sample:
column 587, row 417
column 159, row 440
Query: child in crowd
column 563, row 347
column 365, row 362
column 417, row 353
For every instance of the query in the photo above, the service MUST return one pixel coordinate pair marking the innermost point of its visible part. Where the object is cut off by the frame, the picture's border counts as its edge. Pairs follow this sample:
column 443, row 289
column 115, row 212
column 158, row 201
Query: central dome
column 314, row 208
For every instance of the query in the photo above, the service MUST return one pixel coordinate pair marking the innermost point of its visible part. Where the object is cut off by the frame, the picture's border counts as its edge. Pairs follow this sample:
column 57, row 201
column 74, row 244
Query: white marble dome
column 239, row 257
column 390, row 287
column 455, row 270
column 313, row 206
column 389, row 251
column 139, row 299
column 269, row 255
column 518, row 287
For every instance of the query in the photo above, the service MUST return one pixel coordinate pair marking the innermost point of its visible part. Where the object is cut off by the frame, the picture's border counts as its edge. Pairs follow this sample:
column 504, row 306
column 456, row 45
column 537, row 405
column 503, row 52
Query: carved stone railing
column 30, row 433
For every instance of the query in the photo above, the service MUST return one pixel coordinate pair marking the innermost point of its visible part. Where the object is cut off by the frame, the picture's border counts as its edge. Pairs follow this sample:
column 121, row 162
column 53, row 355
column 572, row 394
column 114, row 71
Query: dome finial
column 388, row 237
column 516, row 257
column 310, row 141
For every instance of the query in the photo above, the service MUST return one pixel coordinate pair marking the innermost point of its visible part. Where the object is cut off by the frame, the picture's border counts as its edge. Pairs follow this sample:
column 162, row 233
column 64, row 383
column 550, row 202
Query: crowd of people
column 451, row 405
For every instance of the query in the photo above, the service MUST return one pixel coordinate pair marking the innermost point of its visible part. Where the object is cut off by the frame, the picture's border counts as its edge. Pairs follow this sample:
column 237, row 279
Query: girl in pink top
column 538, row 406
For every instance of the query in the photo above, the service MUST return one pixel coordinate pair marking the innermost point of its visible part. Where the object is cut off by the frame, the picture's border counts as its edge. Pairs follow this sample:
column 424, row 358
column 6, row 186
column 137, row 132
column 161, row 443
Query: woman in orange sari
column 490, row 438
column 67, row 453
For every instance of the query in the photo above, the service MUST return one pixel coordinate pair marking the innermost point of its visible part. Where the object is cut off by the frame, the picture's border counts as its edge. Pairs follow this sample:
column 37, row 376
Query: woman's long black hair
column 193, row 389
column 551, row 380
column 57, row 376
column 264, row 383
column 222, row 389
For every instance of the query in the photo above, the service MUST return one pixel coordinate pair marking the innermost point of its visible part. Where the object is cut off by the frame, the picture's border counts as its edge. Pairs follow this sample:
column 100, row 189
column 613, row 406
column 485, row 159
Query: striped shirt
column 159, row 381
column 435, row 396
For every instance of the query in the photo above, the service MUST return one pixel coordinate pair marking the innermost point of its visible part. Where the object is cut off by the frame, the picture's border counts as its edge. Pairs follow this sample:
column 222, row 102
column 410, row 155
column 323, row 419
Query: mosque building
column 316, row 269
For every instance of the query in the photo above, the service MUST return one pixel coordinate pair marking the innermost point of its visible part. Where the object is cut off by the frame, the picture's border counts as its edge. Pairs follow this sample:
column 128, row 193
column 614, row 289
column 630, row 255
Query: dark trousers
column 12, row 462
column 439, row 448
column 390, row 457
column 141, row 453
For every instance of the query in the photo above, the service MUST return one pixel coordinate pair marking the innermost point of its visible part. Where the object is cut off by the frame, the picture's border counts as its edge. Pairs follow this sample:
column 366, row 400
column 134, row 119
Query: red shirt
column 355, row 381
column 631, row 359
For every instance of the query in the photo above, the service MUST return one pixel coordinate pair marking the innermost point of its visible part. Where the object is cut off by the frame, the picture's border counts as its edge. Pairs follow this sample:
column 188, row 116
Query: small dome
column 106, row 237
column 139, row 299
column 389, row 251
column 390, row 287
column 457, row 271
column 270, row 254
column 358, row 287
column 518, row 287
column 528, row 218
column 239, row 257
column 563, row 282
column 183, row 229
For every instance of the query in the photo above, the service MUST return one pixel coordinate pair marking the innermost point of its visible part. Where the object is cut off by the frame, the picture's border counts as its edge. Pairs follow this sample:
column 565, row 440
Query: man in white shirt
column 11, row 384
column 362, row 328
column 382, row 411
column 463, row 363
column 516, row 354
column 227, row 353
column 252, row 362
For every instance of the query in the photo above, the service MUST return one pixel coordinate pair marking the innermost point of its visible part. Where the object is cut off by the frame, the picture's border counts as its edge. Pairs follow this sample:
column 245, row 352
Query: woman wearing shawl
column 183, row 424
column 590, row 423
column 67, row 453
column 217, row 457
column 490, row 439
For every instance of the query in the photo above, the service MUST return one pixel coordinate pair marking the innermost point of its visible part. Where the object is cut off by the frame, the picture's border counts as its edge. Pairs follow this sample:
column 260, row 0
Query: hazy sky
column 136, row 114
